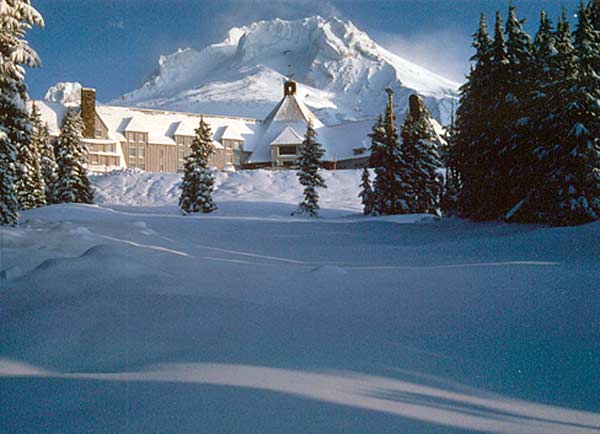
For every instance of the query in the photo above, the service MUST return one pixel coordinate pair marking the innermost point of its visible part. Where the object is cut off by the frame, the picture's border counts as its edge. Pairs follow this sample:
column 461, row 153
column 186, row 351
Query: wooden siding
column 161, row 158
column 100, row 130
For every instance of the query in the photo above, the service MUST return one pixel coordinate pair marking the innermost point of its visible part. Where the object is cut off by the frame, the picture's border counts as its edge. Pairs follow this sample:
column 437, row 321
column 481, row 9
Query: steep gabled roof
column 288, row 136
column 292, row 109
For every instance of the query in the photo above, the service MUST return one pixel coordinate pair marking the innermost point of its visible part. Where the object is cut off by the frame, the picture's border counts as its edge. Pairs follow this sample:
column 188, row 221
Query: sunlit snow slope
column 126, row 316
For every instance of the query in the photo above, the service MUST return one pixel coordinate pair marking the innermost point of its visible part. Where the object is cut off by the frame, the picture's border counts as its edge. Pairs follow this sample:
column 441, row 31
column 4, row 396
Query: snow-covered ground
column 127, row 316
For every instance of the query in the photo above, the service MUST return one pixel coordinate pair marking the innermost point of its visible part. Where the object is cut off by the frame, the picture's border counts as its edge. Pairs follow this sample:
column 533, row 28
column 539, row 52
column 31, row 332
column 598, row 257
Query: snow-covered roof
column 234, row 131
column 292, row 109
column 339, row 141
column 288, row 137
column 285, row 125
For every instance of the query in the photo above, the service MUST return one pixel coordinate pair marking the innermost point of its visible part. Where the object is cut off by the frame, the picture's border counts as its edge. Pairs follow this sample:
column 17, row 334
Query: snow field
column 127, row 316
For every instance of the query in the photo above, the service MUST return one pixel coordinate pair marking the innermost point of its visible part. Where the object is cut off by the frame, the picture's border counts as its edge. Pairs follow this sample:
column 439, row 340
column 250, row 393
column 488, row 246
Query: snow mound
column 341, row 73
column 137, row 188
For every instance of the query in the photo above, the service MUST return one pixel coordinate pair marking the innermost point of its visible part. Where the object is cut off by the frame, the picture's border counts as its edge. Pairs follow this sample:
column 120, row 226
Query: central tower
column 289, row 86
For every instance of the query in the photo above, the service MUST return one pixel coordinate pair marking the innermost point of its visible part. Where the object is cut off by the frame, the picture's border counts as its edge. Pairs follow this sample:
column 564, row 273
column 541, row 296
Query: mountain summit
column 341, row 73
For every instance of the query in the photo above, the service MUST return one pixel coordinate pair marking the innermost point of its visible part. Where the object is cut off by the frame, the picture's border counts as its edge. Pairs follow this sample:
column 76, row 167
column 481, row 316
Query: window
column 131, row 151
column 141, row 151
column 287, row 150
column 94, row 159
column 98, row 134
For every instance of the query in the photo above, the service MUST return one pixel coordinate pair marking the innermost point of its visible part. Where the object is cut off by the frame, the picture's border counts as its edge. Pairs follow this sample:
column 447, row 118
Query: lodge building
column 159, row 141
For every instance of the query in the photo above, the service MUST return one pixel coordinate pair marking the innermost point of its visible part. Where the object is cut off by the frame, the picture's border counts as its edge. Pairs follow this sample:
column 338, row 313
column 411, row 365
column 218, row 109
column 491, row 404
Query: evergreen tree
column 198, row 180
column 376, row 159
column 41, row 138
column 575, row 175
column 30, row 187
column 451, row 190
column 519, row 133
column 421, row 158
column 366, row 192
column 309, row 164
column 473, row 124
column 72, row 184
column 392, row 193
column 540, row 129
column 16, row 17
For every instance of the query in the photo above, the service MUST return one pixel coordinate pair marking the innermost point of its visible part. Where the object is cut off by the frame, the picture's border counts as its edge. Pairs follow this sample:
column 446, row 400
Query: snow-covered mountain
column 341, row 73
column 66, row 93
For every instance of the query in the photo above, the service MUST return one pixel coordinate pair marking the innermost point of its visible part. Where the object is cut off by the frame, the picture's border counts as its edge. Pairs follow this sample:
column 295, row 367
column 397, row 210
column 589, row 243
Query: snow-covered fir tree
column 41, row 137
column 543, row 126
column 519, row 138
column 576, row 174
column 198, row 180
column 30, row 186
column 451, row 189
column 72, row 184
column 472, row 135
column 309, row 166
column 16, row 17
column 366, row 192
column 421, row 158
column 392, row 194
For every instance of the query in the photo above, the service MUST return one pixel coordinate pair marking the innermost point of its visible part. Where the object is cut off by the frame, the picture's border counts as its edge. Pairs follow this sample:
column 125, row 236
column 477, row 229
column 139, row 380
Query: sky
column 114, row 45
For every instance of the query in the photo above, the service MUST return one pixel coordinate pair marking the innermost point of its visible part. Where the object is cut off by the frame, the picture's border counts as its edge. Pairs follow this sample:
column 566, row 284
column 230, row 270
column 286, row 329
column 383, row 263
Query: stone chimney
column 415, row 106
column 88, row 112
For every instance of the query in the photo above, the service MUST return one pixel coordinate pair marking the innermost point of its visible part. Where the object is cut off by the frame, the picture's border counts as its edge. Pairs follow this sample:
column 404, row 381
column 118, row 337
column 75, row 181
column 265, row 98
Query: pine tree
column 366, row 192
column 72, row 184
column 519, row 133
column 539, row 130
column 376, row 160
column 421, row 158
column 198, row 180
column 452, row 185
column 392, row 191
column 16, row 17
column 30, row 187
column 575, row 175
column 473, row 124
column 309, row 164
column 41, row 138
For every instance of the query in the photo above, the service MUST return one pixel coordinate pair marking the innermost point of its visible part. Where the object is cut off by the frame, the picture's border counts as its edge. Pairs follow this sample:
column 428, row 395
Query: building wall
column 100, row 131
column 161, row 158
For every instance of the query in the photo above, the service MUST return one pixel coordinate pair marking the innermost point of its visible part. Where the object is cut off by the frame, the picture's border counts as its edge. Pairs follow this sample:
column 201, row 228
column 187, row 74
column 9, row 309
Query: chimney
column 415, row 106
column 88, row 112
